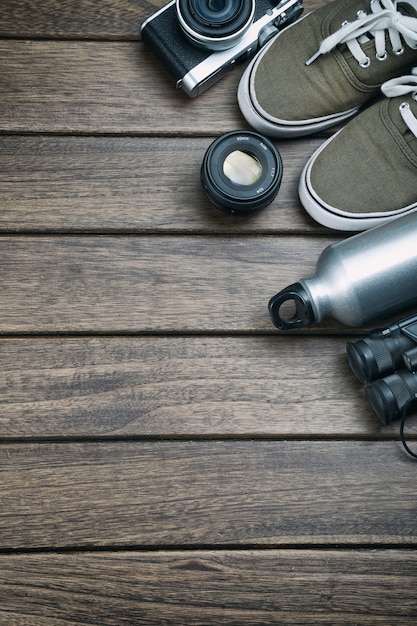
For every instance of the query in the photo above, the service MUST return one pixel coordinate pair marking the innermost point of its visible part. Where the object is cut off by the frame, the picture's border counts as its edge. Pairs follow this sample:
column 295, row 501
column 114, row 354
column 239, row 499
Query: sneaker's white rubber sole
column 334, row 218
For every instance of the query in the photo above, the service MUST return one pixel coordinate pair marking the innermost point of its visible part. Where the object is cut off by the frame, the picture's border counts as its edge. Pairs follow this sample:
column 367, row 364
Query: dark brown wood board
column 166, row 455
column 216, row 587
column 199, row 493
column 181, row 386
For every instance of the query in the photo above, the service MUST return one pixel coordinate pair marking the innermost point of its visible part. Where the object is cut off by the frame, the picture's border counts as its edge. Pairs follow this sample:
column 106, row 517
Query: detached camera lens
column 241, row 172
column 215, row 24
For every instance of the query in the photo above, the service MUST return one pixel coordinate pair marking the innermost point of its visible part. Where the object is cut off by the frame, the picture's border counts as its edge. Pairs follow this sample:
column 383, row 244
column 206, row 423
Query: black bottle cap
column 299, row 315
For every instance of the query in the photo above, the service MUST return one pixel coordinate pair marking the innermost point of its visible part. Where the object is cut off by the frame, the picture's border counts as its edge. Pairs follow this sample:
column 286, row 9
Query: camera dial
column 215, row 24
column 241, row 172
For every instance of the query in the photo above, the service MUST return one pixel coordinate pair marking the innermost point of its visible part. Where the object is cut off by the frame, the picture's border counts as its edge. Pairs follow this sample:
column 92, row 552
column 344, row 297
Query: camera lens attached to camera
column 215, row 24
column 241, row 172
column 199, row 41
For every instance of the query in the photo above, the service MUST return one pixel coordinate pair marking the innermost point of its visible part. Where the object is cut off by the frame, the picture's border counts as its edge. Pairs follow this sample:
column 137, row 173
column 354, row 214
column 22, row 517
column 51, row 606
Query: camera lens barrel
column 215, row 24
column 241, row 172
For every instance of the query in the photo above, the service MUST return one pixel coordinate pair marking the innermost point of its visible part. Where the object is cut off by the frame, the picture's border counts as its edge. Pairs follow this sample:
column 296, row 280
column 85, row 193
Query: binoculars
column 386, row 362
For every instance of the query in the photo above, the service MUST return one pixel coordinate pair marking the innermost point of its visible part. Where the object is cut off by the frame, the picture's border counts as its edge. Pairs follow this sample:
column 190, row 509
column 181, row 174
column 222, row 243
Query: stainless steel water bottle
column 358, row 279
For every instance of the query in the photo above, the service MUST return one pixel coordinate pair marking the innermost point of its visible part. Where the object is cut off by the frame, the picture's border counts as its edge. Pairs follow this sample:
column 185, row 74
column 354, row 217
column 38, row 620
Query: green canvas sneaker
column 366, row 174
column 320, row 70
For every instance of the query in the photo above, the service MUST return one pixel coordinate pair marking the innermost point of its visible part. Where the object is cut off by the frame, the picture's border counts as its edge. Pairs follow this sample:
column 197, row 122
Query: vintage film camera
column 386, row 361
column 198, row 41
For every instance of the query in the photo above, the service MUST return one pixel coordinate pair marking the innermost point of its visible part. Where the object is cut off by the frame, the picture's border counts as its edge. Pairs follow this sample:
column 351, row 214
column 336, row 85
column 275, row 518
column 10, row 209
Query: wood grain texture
column 119, row 284
column 181, row 386
column 58, row 86
column 199, row 493
column 147, row 284
column 75, row 19
column 131, row 184
column 220, row 587
column 88, row 87
column 167, row 456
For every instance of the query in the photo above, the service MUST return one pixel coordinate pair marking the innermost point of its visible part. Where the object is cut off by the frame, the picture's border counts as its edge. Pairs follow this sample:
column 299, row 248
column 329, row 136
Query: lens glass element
column 215, row 12
column 242, row 168
column 215, row 24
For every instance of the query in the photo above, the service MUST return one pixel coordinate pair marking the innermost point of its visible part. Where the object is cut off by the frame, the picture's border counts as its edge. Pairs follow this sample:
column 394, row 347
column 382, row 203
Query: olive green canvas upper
column 370, row 166
column 283, row 87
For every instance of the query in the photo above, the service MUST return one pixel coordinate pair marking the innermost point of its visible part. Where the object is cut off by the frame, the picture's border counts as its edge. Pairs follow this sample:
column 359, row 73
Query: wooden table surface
column 166, row 455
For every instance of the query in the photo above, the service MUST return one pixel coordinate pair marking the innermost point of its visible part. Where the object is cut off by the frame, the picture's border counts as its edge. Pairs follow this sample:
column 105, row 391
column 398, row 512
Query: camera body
column 194, row 66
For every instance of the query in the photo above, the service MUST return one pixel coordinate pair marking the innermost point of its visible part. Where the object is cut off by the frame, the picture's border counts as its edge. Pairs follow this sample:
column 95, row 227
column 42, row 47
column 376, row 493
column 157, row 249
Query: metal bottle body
column 360, row 278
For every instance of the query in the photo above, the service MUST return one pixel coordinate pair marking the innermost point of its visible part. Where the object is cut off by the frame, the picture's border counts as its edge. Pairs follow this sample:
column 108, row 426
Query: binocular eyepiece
column 386, row 362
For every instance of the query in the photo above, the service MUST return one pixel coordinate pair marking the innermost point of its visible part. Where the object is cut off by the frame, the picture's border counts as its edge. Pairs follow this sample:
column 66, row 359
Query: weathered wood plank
column 107, row 19
column 228, row 587
column 105, row 184
column 116, row 87
column 133, row 493
column 147, row 284
column 181, row 386
column 201, row 493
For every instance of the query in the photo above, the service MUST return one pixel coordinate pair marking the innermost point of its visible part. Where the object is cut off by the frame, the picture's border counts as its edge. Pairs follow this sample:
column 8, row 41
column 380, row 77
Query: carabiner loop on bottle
column 301, row 314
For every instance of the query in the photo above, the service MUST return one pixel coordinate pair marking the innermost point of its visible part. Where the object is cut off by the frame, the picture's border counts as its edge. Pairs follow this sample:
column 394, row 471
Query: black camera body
column 194, row 58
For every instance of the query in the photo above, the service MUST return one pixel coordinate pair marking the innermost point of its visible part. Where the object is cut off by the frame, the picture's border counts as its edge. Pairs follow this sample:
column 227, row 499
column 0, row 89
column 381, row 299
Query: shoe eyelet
column 382, row 57
column 365, row 64
column 404, row 105
column 361, row 13
column 345, row 23
column 399, row 52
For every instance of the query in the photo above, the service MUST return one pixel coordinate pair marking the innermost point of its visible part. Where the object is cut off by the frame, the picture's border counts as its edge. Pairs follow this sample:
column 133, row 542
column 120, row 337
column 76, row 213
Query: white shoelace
column 400, row 87
column 384, row 17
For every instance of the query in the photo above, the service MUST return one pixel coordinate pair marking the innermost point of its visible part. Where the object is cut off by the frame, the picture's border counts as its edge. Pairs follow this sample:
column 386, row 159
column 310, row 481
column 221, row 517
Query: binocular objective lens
column 360, row 360
column 388, row 396
column 241, row 172
column 372, row 358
